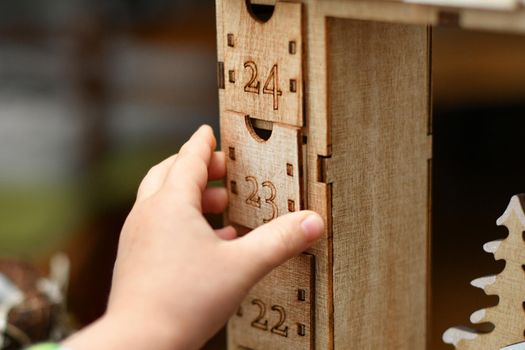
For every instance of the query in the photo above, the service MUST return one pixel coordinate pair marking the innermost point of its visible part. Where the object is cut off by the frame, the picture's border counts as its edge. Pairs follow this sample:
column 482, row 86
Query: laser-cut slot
column 220, row 75
column 233, row 187
column 291, row 205
column 322, row 168
column 231, row 153
column 301, row 295
column 231, row 42
column 292, row 47
column 260, row 13
column 260, row 130
column 293, row 85
column 289, row 169
column 449, row 19
column 231, row 76
column 301, row 329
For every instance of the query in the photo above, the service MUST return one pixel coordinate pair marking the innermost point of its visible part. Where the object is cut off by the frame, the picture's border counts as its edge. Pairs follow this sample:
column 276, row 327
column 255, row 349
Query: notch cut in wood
column 274, row 316
column 220, row 75
column 322, row 166
column 231, row 42
column 263, row 175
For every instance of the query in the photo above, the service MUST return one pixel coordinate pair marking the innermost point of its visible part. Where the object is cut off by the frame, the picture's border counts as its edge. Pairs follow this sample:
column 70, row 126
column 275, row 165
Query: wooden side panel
column 319, row 191
column 278, row 314
column 379, row 99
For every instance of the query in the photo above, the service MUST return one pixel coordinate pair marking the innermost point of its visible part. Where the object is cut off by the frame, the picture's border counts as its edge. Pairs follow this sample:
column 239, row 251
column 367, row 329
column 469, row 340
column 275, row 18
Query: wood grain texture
column 315, row 143
column 379, row 85
column 318, row 190
column 507, row 316
column 263, row 63
column 316, row 93
column 365, row 117
column 264, row 177
column 278, row 313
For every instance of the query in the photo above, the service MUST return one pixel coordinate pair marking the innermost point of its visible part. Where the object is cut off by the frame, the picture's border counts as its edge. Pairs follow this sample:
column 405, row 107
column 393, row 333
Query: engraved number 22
column 255, row 201
column 259, row 322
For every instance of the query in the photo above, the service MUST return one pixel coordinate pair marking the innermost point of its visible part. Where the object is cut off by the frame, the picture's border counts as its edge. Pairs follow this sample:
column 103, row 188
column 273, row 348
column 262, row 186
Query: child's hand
column 176, row 280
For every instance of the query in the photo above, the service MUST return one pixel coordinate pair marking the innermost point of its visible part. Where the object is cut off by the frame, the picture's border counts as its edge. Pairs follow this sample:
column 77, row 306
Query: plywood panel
column 263, row 176
column 313, row 125
column 480, row 4
column 278, row 313
column 379, row 105
column 263, row 63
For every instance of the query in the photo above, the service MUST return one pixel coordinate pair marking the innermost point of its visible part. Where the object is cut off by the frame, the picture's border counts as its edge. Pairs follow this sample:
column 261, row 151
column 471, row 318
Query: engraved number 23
column 255, row 201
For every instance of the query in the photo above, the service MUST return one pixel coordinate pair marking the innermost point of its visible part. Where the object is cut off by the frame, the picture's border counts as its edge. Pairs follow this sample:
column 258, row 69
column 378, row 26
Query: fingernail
column 313, row 227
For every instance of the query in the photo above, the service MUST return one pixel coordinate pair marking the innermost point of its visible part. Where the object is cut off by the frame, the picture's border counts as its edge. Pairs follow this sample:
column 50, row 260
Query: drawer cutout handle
column 260, row 130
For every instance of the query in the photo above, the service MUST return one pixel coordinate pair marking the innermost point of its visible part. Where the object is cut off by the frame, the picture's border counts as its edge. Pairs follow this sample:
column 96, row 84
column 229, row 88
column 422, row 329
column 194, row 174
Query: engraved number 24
column 271, row 86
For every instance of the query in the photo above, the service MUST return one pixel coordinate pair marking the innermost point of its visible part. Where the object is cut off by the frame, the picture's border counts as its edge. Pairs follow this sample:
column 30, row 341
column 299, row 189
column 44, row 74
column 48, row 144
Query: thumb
column 272, row 244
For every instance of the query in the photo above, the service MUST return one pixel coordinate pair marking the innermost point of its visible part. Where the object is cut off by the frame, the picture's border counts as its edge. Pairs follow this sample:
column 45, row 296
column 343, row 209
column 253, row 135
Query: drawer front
column 278, row 313
column 264, row 177
column 262, row 67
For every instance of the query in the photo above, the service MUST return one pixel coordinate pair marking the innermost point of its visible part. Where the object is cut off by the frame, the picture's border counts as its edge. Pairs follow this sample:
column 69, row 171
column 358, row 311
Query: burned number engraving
column 253, row 85
column 260, row 323
column 271, row 85
column 254, row 199
column 279, row 329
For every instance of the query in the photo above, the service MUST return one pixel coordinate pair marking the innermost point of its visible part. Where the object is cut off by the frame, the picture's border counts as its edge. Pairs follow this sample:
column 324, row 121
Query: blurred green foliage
column 37, row 219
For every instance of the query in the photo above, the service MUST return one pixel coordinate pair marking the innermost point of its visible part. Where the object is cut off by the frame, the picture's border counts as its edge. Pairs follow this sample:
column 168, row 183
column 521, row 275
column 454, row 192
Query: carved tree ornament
column 508, row 317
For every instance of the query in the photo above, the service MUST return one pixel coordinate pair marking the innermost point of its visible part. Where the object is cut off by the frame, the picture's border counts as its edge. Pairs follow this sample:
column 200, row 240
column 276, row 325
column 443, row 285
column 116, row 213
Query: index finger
column 188, row 176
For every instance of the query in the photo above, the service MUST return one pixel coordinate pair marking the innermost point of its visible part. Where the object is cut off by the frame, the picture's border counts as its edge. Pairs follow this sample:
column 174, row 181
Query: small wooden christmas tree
column 508, row 316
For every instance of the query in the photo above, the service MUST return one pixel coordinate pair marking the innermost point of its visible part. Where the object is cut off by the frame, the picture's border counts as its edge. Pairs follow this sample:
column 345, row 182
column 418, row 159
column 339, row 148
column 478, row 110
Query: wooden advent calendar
column 327, row 106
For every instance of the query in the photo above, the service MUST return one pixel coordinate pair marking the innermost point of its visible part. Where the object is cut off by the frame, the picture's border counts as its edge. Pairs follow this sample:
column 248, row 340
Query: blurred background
column 92, row 94
column 479, row 116
column 95, row 92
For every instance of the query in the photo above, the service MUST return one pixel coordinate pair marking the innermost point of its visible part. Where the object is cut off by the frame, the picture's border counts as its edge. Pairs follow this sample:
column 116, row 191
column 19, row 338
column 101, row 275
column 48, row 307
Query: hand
column 176, row 280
